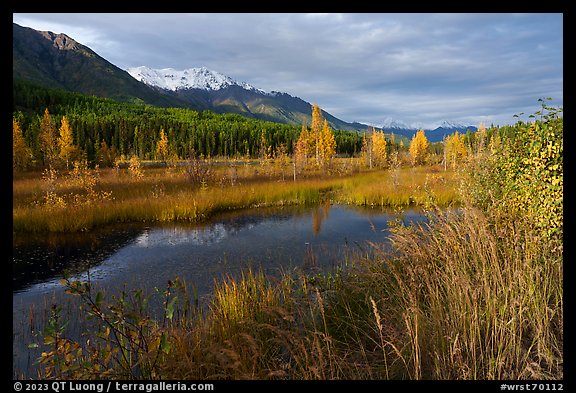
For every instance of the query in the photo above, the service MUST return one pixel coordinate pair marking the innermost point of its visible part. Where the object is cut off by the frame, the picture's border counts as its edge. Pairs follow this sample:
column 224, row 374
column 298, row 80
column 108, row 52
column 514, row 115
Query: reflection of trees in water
column 319, row 214
column 43, row 257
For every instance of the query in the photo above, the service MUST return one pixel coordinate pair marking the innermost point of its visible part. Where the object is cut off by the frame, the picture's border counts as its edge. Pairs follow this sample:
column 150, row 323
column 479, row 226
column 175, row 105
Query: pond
column 125, row 257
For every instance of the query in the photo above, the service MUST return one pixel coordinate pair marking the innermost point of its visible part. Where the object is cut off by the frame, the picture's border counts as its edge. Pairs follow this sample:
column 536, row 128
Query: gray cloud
column 421, row 68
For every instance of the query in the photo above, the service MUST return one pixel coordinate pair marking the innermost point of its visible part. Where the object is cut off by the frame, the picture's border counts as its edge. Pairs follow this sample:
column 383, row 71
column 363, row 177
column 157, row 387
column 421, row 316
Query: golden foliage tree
column 481, row 136
column 454, row 149
column 302, row 149
column 495, row 141
column 419, row 148
column 162, row 146
column 67, row 150
column 367, row 150
column 326, row 145
column 374, row 148
column 317, row 122
column 281, row 159
column 21, row 154
column 135, row 167
column 48, row 139
column 318, row 142
column 379, row 148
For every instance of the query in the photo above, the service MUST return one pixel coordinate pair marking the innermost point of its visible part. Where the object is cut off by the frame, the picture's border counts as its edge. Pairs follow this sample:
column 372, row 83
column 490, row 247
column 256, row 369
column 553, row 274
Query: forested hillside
column 127, row 128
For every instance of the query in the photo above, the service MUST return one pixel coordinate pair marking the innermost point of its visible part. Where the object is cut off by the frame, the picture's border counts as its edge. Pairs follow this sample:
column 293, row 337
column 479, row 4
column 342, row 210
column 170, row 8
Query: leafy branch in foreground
column 128, row 343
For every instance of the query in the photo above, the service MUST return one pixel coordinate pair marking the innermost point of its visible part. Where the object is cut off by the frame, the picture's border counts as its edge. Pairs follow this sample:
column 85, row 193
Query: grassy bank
column 63, row 202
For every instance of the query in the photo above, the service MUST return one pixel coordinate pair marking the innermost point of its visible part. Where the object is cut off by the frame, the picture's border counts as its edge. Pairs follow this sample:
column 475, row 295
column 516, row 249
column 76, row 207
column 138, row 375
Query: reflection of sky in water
column 179, row 236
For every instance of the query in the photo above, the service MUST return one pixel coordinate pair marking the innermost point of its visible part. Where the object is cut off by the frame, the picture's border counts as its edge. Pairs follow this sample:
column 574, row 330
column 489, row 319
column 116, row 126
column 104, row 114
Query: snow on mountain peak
column 191, row 78
column 451, row 124
column 390, row 123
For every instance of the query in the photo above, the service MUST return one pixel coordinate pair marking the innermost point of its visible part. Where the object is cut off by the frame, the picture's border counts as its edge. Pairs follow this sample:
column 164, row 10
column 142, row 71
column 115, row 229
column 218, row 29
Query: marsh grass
column 167, row 195
column 402, row 187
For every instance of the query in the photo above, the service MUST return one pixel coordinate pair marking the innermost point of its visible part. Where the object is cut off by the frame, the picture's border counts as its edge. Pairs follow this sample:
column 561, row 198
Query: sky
column 420, row 69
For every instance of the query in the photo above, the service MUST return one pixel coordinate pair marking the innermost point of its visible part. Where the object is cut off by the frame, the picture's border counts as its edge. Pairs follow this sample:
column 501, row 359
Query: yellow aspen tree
column 21, row 154
column 379, row 152
column 317, row 121
column 66, row 142
column 454, row 149
column 281, row 159
column 495, row 141
column 48, row 140
column 135, row 167
column 419, row 148
column 327, row 144
column 162, row 146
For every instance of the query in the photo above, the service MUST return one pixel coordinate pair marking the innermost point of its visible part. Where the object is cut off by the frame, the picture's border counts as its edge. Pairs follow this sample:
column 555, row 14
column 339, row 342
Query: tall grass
column 258, row 328
column 478, row 299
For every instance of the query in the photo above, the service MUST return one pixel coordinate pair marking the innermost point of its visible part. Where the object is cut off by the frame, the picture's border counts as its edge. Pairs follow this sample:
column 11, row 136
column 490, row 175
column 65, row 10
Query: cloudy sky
column 416, row 68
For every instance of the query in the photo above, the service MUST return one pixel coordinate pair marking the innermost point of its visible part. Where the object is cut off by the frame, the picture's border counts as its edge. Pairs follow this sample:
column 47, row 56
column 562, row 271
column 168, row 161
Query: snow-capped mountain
column 191, row 78
column 389, row 124
column 449, row 124
column 204, row 89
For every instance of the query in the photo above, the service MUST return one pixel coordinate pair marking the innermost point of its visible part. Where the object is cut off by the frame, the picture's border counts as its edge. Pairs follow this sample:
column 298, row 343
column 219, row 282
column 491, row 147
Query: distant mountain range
column 56, row 60
column 434, row 134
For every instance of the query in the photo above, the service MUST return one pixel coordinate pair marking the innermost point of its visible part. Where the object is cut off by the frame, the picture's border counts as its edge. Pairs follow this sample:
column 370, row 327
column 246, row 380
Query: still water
column 132, row 256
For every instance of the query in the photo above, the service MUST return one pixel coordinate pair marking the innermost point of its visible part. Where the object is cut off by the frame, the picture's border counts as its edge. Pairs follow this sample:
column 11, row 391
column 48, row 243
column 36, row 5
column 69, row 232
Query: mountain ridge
column 59, row 61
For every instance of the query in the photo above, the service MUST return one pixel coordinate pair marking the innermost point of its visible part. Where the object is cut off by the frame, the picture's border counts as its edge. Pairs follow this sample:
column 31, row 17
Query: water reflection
column 266, row 238
column 319, row 214
column 38, row 258
column 179, row 236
